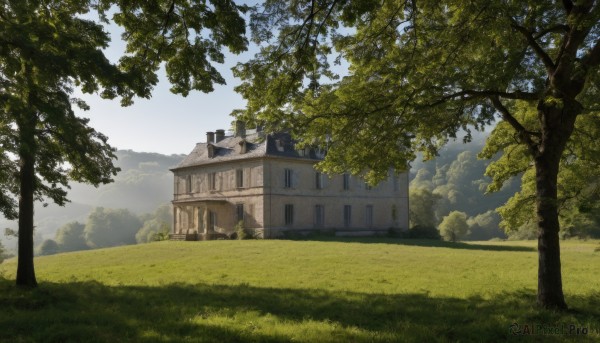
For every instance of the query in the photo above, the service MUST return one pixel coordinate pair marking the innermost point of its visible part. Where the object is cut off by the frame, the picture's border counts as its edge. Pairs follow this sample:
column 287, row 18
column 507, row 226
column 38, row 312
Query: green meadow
column 347, row 290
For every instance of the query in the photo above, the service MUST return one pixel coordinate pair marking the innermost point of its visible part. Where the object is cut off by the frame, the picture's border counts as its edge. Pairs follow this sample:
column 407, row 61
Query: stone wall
column 266, row 190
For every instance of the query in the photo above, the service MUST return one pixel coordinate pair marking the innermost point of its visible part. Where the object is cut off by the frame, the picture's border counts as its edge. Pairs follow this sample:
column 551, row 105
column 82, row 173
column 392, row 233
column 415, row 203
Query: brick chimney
column 240, row 128
column 210, row 137
column 220, row 134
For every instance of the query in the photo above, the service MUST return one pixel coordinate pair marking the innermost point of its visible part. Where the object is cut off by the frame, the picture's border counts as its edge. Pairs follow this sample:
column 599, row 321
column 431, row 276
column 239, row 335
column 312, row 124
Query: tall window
column 239, row 213
column 367, row 186
column 212, row 220
column 396, row 181
column 318, row 180
column 319, row 215
column 287, row 182
column 369, row 215
column 347, row 215
column 239, row 178
column 346, row 181
column 188, row 184
column 289, row 214
column 212, row 181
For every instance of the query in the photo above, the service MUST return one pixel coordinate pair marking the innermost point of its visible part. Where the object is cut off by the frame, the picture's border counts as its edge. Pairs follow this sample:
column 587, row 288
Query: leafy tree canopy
column 49, row 247
column 70, row 237
column 156, row 225
column 50, row 47
column 421, row 72
column 578, row 187
column 111, row 227
column 422, row 207
column 454, row 226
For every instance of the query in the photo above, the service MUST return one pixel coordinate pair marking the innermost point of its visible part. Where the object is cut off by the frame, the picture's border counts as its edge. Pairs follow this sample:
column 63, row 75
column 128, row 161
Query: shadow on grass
column 417, row 242
column 90, row 311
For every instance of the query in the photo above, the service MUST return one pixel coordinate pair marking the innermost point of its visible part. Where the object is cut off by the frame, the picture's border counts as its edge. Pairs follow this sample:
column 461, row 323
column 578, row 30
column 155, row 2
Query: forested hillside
column 143, row 185
column 455, row 181
column 452, row 182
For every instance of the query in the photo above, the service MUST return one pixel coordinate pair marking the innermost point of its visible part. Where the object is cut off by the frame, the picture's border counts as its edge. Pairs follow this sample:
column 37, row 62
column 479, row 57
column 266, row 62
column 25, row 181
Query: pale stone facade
column 263, row 181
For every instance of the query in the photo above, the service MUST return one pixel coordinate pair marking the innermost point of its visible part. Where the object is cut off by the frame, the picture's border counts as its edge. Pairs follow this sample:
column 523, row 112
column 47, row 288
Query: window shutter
column 295, row 179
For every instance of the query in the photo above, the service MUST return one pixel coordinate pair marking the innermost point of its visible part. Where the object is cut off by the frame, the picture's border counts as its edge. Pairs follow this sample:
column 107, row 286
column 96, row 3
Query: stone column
column 174, row 219
column 206, row 219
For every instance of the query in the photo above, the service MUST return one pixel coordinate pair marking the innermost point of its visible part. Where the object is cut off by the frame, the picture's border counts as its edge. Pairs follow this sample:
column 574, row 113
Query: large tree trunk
column 557, row 123
column 550, row 293
column 27, row 151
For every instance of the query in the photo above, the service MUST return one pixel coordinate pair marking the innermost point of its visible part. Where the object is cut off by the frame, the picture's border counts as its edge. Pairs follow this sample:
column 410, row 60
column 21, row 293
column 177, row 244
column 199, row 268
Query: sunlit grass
column 360, row 290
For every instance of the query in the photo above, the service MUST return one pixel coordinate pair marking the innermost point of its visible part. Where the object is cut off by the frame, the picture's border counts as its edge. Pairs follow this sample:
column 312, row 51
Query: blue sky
column 166, row 123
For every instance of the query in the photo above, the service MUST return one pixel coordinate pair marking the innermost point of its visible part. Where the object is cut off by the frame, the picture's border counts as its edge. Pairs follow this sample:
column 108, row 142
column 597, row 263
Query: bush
column 240, row 232
column 49, row 247
column 454, row 226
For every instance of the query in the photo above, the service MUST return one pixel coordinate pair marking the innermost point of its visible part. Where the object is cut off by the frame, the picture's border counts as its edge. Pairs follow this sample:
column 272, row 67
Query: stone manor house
column 264, row 181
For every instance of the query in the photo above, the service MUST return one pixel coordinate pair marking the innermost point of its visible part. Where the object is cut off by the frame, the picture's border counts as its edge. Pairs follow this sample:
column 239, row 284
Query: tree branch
column 326, row 17
column 537, row 49
column 556, row 28
column 473, row 94
column 524, row 134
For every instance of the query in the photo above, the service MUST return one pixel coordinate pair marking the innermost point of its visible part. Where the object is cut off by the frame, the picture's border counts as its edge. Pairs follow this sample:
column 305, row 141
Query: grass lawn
column 350, row 290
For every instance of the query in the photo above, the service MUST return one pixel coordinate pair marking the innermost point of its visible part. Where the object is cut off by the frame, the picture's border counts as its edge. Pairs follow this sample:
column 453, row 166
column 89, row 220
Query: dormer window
column 280, row 144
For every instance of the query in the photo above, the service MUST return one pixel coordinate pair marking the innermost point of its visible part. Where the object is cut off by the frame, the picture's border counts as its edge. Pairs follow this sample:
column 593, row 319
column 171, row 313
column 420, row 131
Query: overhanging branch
column 474, row 94
column 537, row 49
column 524, row 134
column 556, row 29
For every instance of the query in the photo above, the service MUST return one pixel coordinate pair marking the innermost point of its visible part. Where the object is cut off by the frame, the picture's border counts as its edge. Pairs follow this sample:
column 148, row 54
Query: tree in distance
column 110, row 227
column 49, row 247
column 422, row 72
column 49, row 48
column 2, row 252
column 422, row 207
column 454, row 226
column 70, row 237
column 157, row 226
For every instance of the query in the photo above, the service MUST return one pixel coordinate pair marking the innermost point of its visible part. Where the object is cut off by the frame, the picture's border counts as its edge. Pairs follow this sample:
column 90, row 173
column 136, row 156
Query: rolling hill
column 359, row 290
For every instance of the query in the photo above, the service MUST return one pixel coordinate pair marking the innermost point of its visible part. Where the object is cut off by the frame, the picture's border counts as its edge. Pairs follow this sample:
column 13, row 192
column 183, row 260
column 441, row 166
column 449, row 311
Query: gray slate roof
column 257, row 145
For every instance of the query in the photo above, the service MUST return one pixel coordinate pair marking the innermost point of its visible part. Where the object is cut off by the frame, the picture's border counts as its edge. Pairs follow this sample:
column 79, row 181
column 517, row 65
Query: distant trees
column 485, row 226
column 70, row 237
column 156, row 226
column 48, row 247
column 107, row 227
column 2, row 252
column 453, row 181
column 111, row 227
column 454, row 226
column 422, row 209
